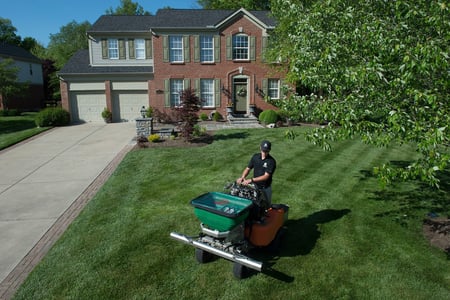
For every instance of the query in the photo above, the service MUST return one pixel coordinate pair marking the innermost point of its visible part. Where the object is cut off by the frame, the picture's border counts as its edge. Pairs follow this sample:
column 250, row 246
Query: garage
column 87, row 106
column 127, row 105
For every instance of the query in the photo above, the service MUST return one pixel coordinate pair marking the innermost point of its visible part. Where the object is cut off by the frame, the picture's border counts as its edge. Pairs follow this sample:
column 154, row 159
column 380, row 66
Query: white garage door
column 127, row 105
column 87, row 107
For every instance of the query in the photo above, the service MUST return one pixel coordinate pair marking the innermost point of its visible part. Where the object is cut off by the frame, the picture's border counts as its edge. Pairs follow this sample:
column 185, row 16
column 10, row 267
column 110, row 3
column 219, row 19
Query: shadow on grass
column 230, row 136
column 303, row 233
column 414, row 198
column 10, row 126
column 299, row 239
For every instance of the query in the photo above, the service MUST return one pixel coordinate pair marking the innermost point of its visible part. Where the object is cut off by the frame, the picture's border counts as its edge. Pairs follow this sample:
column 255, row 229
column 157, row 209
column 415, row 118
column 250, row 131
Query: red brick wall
column 224, row 70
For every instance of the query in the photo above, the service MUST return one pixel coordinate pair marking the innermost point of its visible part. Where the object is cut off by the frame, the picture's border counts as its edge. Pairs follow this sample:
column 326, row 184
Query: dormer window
column 240, row 47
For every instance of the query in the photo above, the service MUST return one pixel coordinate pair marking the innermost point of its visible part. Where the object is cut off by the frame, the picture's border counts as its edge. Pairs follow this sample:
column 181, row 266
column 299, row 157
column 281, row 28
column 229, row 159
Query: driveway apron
column 41, row 178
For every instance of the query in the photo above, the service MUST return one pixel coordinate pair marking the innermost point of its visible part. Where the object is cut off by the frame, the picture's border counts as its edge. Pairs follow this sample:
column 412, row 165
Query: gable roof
column 17, row 53
column 79, row 64
column 176, row 18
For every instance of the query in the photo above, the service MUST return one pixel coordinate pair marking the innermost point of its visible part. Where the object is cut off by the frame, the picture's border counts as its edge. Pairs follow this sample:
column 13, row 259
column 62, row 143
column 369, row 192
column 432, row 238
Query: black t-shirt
column 261, row 166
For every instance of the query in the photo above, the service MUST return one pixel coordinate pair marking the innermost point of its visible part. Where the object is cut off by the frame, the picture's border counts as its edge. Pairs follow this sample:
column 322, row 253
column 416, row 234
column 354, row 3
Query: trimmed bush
column 203, row 116
column 154, row 138
column 217, row 116
column 52, row 116
column 269, row 116
column 9, row 113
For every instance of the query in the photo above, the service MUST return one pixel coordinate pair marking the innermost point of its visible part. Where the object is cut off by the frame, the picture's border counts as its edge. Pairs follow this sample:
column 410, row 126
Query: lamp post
column 143, row 111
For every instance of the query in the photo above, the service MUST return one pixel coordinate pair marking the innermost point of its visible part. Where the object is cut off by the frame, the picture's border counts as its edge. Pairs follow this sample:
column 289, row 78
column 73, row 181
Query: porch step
column 242, row 120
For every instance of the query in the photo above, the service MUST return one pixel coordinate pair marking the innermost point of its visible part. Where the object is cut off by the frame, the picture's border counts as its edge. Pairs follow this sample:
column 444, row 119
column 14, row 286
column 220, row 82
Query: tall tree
column 9, row 84
column 127, row 8
column 235, row 4
column 8, row 32
column 70, row 38
column 382, row 68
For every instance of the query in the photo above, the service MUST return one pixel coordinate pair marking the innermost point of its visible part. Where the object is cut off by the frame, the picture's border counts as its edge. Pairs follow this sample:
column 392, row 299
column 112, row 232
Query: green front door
column 240, row 96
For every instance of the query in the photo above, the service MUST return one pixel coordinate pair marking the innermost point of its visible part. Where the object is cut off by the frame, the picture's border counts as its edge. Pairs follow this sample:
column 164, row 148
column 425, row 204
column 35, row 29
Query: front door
column 240, row 95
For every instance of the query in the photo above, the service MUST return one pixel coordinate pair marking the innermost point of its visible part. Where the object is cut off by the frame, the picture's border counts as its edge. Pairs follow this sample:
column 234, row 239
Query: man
column 263, row 165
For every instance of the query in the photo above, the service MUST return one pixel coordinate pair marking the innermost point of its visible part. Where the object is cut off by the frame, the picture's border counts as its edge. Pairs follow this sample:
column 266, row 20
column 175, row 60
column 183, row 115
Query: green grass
column 18, row 128
column 346, row 238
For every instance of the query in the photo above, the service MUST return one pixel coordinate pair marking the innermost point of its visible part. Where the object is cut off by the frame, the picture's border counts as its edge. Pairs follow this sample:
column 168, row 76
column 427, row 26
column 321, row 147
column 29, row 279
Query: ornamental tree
column 379, row 70
column 187, row 112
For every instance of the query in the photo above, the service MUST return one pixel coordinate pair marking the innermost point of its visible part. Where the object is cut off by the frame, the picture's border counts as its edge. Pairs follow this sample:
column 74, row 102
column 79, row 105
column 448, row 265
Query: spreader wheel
column 240, row 271
column 203, row 256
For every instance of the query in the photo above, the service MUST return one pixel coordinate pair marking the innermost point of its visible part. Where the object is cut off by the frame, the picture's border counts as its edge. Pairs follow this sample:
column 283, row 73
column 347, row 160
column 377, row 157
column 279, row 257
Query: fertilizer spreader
column 234, row 223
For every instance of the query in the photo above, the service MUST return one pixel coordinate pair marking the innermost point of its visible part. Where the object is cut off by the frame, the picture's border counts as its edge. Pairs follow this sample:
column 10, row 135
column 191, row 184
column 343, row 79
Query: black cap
column 266, row 146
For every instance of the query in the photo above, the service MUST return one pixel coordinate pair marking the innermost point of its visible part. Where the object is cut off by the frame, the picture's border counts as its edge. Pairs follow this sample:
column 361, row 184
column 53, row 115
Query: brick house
column 136, row 61
column 29, row 73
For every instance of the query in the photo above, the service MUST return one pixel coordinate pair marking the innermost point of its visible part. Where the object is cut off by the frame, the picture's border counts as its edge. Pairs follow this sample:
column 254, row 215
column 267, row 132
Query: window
column 207, row 92
column 206, row 48
column 240, row 47
column 113, row 49
column 176, row 87
column 274, row 88
column 139, row 48
column 176, row 48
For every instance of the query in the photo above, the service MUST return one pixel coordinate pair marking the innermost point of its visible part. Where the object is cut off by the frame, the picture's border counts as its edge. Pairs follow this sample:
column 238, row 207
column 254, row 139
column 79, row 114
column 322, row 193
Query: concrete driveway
column 42, row 178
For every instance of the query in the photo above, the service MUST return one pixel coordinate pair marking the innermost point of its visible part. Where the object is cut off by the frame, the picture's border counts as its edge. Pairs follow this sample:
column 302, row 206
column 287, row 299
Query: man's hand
column 247, row 181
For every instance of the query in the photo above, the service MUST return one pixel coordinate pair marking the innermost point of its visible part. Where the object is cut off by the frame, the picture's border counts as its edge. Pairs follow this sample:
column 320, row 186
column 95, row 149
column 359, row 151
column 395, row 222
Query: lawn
column 14, row 129
column 346, row 239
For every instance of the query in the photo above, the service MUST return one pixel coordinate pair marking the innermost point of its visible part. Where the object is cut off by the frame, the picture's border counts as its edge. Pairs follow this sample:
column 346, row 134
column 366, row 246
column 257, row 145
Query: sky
column 40, row 18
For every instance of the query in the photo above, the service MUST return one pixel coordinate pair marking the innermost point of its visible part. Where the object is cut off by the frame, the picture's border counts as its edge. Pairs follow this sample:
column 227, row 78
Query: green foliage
column 52, row 116
column 8, row 33
column 199, row 130
column 107, row 115
column 9, row 112
column 217, row 116
column 268, row 116
column 203, row 116
column 149, row 112
column 379, row 69
column 154, row 138
column 71, row 38
column 235, row 4
column 128, row 8
column 8, row 81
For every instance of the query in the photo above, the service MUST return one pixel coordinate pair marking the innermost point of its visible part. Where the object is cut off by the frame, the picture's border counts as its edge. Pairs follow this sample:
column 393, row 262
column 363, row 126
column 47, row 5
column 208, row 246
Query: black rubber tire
column 203, row 256
column 240, row 271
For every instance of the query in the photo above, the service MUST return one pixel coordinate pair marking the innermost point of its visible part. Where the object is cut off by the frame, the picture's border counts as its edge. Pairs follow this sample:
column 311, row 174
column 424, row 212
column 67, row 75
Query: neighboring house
column 136, row 61
column 30, row 73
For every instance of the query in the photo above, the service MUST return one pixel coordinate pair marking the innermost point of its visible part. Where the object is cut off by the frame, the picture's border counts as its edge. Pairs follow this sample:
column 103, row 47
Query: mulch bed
column 437, row 231
column 179, row 142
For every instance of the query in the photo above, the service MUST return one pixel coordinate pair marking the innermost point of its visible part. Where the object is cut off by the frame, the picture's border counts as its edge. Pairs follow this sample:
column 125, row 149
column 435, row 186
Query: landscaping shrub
column 203, row 116
column 217, row 116
column 154, row 138
column 199, row 130
column 52, row 116
column 268, row 116
column 149, row 112
column 187, row 112
column 9, row 113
